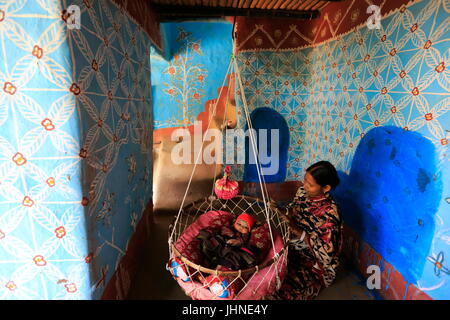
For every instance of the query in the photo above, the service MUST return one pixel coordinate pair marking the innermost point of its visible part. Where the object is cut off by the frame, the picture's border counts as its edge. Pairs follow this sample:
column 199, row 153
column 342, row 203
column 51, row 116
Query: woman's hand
column 272, row 205
column 297, row 232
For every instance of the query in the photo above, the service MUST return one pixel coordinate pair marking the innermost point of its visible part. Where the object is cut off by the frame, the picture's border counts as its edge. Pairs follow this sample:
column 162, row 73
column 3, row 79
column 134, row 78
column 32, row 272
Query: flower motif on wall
column 440, row 67
column 50, row 182
column 427, row 45
column 71, row 288
column 48, row 124
column 27, row 201
column 439, row 264
column 75, row 89
column 60, row 232
column 37, row 52
column 19, row 159
column 39, row 261
column 11, row 285
column 9, row 88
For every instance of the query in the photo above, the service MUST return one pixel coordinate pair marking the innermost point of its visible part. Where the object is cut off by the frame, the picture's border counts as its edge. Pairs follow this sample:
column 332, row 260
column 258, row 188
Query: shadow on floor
column 154, row 282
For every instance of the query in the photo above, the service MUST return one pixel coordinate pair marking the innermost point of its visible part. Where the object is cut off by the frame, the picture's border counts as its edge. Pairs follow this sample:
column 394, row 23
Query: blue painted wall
column 71, row 200
column 391, row 196
column 268, row 119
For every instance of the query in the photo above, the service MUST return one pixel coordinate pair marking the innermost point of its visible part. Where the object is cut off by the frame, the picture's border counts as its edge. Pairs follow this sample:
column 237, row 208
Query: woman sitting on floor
column 316, row 235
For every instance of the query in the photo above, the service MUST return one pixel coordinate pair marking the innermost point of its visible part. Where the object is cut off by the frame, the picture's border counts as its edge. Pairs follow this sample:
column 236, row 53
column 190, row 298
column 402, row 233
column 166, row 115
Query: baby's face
column 241, row 226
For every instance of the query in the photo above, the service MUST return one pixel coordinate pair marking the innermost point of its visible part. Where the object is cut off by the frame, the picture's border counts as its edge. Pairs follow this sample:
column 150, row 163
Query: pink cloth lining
column 261, row 284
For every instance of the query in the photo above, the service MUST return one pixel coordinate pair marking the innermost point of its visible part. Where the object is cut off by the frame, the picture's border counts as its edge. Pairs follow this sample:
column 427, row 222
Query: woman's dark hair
column 324, row 173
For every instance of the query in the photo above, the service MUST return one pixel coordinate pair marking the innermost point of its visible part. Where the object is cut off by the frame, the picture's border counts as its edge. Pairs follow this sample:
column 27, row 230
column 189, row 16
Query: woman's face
column 241, row 226
column 312, row 188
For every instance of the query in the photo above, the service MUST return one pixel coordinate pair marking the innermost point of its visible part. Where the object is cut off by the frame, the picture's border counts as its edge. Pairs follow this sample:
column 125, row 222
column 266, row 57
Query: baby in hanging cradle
column 229, row 248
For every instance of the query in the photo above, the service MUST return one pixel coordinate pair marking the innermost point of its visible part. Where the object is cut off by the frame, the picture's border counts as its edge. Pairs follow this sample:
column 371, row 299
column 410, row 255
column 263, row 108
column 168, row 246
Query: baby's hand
column 233, row 242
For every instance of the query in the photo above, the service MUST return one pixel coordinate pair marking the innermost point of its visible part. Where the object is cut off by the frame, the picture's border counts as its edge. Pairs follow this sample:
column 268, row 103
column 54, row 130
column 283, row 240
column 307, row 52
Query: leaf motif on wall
column 85, row 77
column 102, row 82
column 29, row 108
column 55, row 73
column 10, row 219
column 66, row 169
column 32, row 141
column 71, row 217
column 91, row 138
column 107, row 132
column 52, row 38
column 40, row 192
column 96, row 189
column 10, row 193
column 17, row 247
column 14, row 6
column 442, row 30
column 435, row 129
column 44, row 217
column 82, row 44
column 107, row 12
column 426, row 80
column 17, row 34
column 68, row 192
column 71, row 246
column 49, row 247
column 62, row 109
column 3, row 111
column 8, row 172
column 25, row 273
column 65, row 143
column 54, row 273
column 24, row 70
column 89, row 107
column 35, row 172
column 53, row 7
column 426, row 12
column 441, row 107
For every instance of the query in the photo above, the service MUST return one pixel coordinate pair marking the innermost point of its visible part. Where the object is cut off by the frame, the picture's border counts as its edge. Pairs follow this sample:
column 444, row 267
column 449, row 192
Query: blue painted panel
column 267, row 118
column 391, row 196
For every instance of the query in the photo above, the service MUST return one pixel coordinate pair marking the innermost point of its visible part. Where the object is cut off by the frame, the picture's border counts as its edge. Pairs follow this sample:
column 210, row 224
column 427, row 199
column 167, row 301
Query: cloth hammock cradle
column 184, row 263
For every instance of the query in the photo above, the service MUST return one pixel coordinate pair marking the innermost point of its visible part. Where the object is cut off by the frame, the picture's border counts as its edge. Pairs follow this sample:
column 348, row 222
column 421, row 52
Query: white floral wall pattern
column 334, row 92
column 74, row 106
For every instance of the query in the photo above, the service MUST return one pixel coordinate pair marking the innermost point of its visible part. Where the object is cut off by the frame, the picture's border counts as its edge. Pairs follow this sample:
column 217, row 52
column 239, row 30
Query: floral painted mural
column 186, row 81
column 191, row 71
column 75, row 137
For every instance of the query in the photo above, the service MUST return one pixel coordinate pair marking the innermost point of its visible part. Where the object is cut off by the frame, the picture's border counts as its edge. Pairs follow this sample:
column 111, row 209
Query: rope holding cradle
column 259, row 276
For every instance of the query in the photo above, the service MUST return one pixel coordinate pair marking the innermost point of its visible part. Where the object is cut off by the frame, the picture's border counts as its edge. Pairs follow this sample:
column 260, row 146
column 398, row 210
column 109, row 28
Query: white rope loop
column 253, row 143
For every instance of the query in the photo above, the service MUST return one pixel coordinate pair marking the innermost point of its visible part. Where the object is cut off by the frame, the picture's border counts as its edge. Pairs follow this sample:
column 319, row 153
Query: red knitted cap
column 247, row 218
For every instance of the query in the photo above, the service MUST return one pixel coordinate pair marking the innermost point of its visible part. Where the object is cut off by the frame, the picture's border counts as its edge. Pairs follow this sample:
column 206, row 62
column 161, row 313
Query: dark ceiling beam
column 168, row 13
